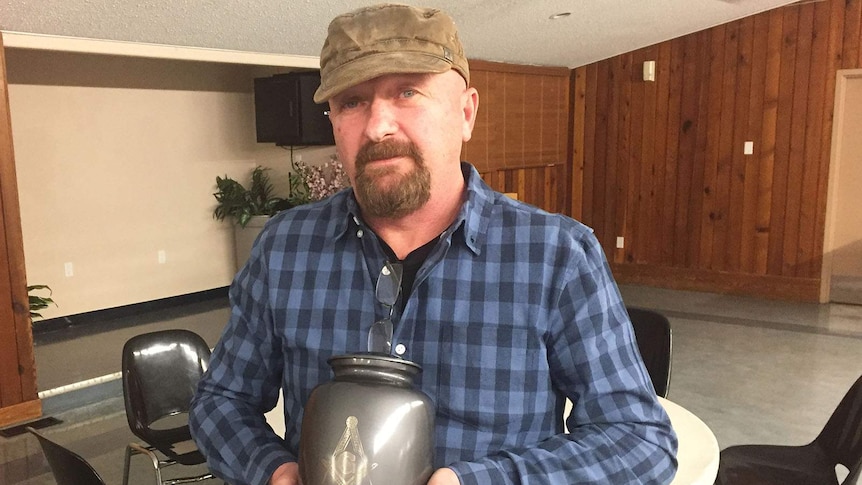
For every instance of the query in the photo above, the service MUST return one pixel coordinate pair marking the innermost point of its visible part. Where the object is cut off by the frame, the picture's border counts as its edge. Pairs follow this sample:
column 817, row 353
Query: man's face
column 399, row 137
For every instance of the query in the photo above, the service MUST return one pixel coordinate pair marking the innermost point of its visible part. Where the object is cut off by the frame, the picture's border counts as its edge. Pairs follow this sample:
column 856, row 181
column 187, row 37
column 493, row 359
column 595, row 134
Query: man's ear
column 470, row 106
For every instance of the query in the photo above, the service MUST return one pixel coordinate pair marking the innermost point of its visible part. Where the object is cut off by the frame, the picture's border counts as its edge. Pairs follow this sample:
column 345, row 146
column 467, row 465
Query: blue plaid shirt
column 513, row 311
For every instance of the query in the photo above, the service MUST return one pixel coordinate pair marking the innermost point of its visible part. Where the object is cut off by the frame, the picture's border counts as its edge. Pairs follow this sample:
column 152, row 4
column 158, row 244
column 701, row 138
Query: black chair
column 655, row 342
column 840, row 442
column 68, row 467
column 160, row 373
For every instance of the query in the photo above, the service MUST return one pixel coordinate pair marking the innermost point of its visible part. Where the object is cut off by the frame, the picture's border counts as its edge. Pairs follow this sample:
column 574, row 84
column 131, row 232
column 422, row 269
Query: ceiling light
column 558, row 16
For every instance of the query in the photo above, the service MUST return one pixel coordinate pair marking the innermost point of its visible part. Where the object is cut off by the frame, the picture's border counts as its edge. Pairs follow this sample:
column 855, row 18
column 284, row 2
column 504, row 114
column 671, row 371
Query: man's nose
column 382, row 120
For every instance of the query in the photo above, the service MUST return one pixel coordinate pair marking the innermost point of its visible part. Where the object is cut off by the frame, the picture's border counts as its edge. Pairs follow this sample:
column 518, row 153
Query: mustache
column 387, row 149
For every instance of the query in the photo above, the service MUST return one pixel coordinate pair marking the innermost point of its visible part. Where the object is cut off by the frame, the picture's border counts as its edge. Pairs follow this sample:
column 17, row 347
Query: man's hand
column 288, row 474
column 444, row 476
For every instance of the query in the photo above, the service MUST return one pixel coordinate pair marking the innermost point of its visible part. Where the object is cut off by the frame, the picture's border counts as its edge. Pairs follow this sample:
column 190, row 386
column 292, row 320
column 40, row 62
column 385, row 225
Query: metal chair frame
column 167, row 363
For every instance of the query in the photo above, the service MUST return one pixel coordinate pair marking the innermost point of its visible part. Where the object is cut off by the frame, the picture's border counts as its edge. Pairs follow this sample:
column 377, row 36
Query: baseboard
column 743, row 284
column 41, row 327
column 87, row 396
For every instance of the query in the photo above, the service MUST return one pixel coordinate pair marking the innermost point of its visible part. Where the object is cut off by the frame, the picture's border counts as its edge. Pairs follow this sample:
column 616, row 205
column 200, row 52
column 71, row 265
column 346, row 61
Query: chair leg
column 126, row 465
column 134, row 448
column 177, row 481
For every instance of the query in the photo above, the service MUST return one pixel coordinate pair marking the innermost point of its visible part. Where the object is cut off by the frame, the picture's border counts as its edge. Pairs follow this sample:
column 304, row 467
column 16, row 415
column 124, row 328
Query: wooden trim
column 765, row 286
column 502, row 67
column 25, row 40
column 577, row 115
column 19, row 413
column 20, row 385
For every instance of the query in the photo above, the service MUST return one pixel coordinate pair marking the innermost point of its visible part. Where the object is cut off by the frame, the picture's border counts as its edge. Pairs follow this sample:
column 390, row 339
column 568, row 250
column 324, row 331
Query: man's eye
column 350, row 104
column 408, row 93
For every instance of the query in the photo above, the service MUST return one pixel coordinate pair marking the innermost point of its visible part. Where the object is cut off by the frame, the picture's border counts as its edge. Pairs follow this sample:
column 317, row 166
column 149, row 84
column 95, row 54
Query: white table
column 698, row 448
column 275, row 418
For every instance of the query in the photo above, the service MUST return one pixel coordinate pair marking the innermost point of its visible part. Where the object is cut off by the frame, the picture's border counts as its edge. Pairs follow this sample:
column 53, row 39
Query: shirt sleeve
column 240, row 385
column 618, row 431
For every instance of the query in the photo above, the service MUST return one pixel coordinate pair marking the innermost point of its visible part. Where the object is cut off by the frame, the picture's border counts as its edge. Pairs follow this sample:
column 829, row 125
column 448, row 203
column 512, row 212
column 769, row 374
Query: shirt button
column 400, row 349
column 359, row 233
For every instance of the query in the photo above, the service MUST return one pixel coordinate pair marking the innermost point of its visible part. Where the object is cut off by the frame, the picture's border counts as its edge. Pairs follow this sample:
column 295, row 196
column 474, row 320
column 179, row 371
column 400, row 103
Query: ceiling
column 514, row 31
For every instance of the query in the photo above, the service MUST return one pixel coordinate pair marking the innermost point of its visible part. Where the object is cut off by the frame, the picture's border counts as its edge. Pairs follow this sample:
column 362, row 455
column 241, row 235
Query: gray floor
column 755, row 371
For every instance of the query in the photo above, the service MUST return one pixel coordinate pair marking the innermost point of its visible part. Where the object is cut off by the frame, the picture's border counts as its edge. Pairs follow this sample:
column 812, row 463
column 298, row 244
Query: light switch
column 620, row 242
column 748, row 148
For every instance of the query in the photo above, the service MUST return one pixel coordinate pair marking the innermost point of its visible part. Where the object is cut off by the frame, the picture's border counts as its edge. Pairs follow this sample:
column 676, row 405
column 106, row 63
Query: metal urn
column 369, row 425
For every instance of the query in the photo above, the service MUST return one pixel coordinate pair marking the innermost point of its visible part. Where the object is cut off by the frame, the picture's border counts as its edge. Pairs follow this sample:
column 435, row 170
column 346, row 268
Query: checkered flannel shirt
column 513, row 311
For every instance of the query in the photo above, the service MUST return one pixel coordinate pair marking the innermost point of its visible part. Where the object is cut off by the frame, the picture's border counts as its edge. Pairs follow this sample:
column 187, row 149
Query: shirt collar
column 475, row 214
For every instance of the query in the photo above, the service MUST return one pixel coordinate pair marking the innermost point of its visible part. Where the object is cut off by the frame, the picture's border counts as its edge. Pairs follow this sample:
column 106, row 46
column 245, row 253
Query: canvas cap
column 388, row 39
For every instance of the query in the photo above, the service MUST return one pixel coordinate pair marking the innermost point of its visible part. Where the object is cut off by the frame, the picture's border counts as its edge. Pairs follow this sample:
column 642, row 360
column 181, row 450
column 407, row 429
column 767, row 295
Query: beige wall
column 847, row 255
column 116, row 160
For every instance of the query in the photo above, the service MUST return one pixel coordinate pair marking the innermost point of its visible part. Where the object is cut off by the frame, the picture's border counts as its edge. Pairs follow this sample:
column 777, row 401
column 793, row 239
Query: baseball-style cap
column 388, row 39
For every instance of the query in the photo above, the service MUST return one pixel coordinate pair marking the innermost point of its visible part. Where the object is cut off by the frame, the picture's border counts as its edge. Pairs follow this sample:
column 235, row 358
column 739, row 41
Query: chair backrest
column 841, row 437
column 160, row 374
column 654, row 339
column 68, row 467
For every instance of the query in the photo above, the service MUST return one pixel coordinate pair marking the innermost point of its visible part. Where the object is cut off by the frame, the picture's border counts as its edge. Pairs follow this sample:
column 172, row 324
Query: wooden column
column 18, row 398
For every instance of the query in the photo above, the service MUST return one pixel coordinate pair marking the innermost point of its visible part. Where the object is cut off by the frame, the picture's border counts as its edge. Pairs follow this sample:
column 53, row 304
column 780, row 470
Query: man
column 508, row 309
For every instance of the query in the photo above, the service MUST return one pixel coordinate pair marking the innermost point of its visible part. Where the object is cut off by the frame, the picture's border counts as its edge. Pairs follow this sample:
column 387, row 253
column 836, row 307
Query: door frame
column 20, row 401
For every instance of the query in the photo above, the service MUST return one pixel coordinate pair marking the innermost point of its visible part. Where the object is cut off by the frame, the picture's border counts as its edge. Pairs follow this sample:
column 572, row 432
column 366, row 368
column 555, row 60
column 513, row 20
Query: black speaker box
column 285, row 112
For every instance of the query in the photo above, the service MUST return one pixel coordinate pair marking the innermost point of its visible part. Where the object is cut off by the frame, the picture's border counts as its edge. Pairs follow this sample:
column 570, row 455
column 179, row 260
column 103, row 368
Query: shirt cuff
column 480, row 473
column 266, row 460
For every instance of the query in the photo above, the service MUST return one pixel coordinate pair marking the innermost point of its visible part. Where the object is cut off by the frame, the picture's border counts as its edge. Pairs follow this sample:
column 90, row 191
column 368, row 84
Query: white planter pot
column 245, row 236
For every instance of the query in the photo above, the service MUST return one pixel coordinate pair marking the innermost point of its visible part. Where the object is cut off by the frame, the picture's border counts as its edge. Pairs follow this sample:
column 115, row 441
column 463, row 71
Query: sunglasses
column 387, row 291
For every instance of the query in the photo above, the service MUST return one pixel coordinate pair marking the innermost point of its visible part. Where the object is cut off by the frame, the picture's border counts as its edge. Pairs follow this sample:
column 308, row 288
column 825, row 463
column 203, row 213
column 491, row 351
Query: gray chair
column 655, row 342
column 160, row 372
column 68, row 467
column 839, row 442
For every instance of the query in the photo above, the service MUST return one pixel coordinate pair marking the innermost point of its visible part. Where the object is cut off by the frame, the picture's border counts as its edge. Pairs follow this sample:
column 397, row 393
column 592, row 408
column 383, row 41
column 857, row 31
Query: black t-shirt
column 410, row 266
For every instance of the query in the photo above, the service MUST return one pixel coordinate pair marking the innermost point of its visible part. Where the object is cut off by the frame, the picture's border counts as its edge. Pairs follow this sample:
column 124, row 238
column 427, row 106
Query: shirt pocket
column 492, row 375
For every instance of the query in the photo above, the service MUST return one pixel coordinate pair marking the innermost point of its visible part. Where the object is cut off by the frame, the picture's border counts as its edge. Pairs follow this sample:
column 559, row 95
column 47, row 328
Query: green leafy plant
column 239, row 203
column 39, row 302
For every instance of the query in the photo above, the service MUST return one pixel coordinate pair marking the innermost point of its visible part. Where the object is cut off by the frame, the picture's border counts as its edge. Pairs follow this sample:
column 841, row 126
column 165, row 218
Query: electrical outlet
column 649, row 70
column 162, row 256
column 620, row 242
column 748, row 148
column 70, row 269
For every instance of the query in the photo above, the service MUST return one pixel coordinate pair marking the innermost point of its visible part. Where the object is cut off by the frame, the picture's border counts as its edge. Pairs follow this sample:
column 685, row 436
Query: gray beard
column 397, row 198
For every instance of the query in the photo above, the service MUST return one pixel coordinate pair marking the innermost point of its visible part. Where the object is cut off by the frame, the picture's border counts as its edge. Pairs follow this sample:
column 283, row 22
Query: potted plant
column 37, row 302
column 241, row 204
column 248, row 207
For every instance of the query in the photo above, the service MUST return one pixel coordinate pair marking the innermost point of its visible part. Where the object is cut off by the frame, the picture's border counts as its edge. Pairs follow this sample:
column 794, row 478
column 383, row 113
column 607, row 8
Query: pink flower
column 316, row 182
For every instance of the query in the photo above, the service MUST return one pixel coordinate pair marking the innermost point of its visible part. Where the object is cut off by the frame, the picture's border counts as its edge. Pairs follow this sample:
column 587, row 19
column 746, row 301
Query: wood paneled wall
column 520, row 142
column 662, row 162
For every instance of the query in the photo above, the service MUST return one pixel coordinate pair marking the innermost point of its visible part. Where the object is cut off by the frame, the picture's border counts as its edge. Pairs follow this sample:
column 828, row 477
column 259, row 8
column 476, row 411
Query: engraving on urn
column 349, row 466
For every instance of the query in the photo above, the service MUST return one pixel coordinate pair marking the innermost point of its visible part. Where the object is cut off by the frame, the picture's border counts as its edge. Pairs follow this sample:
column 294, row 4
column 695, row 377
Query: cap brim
column 375, row 65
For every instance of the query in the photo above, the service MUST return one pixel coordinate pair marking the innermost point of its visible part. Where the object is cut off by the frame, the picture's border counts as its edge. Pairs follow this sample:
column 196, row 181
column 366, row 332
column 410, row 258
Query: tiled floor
column 755, row 371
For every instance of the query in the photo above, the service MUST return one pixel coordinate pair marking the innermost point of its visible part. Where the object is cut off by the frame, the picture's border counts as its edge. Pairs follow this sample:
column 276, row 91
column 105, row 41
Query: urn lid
column 374, row 366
